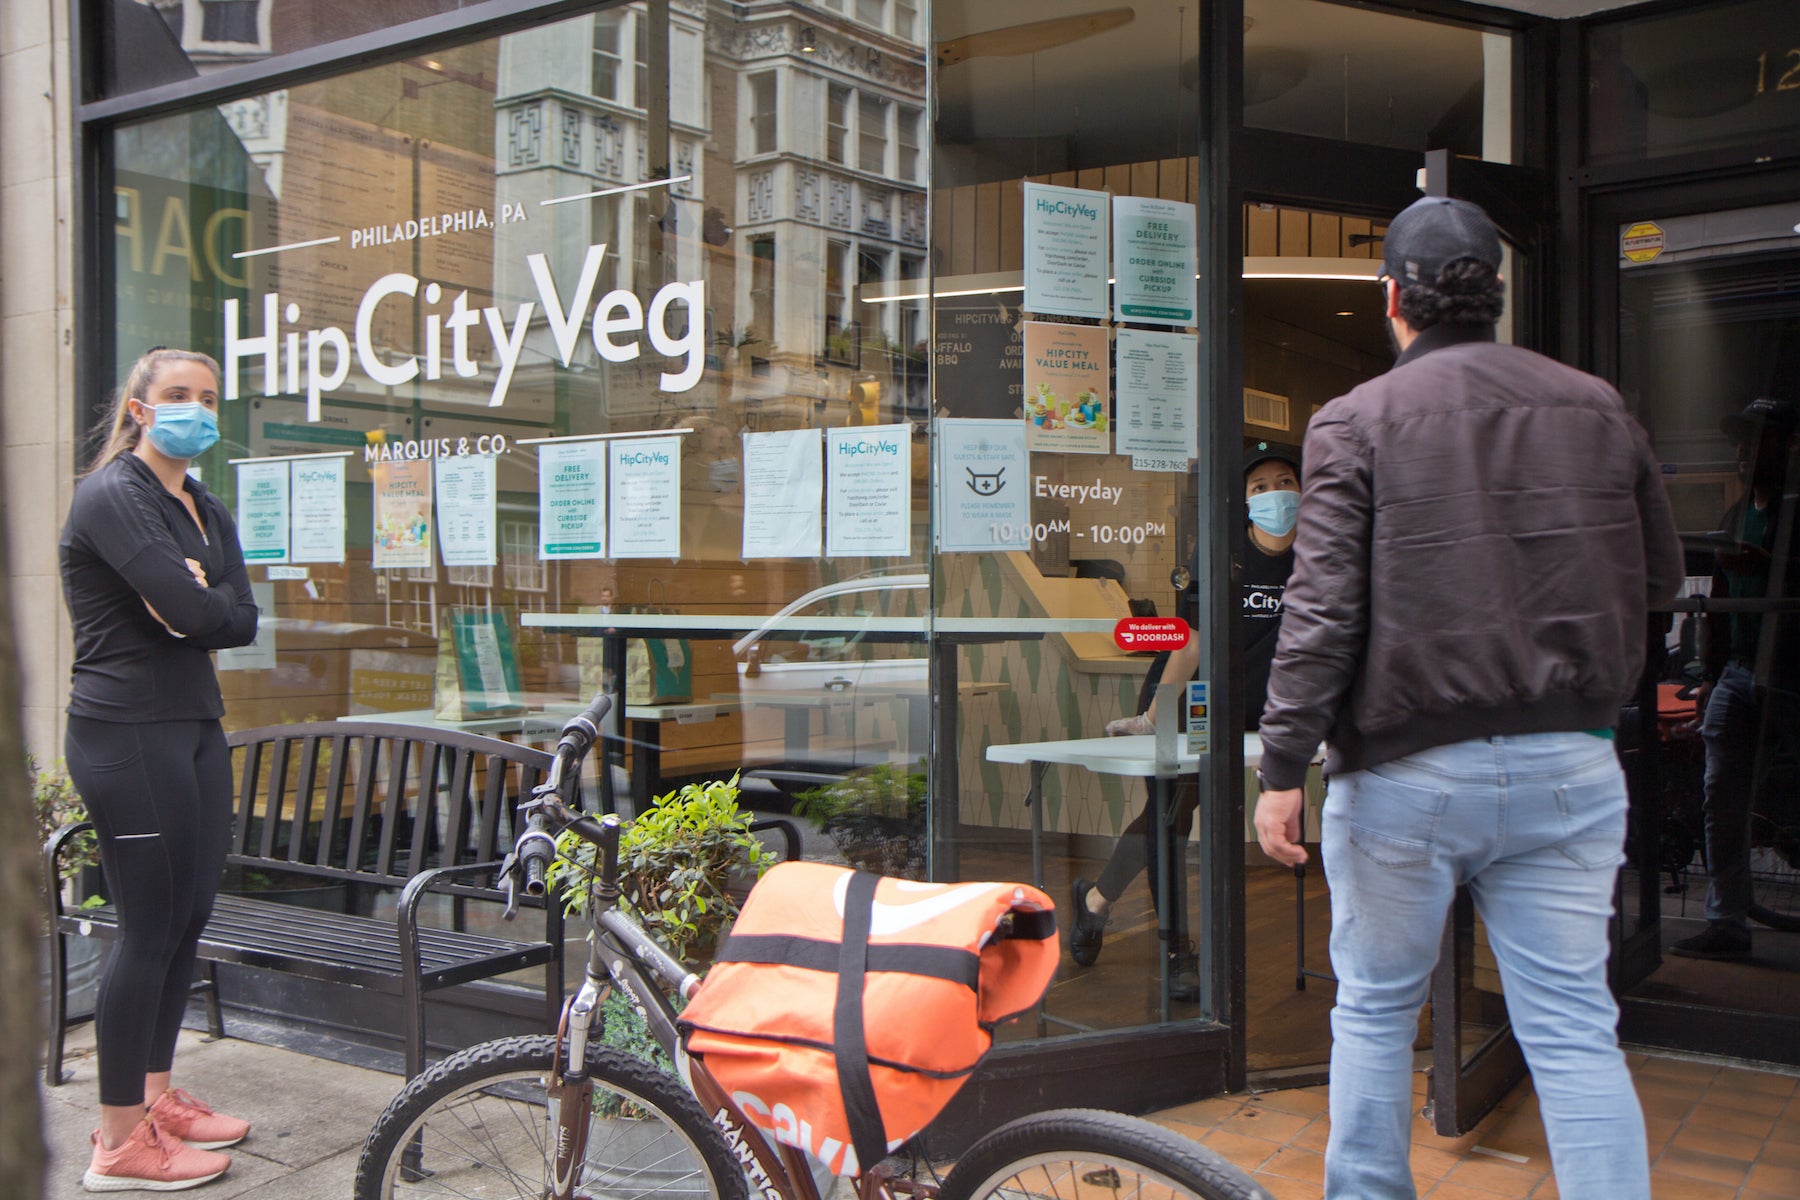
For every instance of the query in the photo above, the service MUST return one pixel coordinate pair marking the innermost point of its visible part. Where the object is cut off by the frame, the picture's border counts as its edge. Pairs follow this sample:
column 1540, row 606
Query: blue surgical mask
column 1275, row 512
column 185, row 430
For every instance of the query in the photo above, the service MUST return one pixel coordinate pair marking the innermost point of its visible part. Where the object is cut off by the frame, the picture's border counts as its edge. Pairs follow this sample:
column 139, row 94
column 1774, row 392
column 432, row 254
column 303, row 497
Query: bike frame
column 622, row 954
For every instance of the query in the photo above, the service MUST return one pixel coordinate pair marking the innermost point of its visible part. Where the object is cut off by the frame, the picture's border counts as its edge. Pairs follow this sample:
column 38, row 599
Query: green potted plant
column 684, row 865
column 876, row 818
column 55, row 804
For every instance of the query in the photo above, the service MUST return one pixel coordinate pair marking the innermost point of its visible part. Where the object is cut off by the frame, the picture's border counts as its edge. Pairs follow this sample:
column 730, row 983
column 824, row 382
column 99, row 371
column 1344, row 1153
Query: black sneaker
column 1718, row 940
column 1086, row 930
column 1184, row 975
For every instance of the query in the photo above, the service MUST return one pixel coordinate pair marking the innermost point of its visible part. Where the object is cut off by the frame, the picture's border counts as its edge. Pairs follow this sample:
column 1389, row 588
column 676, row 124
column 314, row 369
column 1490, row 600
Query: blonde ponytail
column 123, row 434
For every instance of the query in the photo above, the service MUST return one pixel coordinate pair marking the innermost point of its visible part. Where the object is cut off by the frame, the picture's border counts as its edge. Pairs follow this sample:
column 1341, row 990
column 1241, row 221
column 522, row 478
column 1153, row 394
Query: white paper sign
column 262, row 516
column 318, row 517
column 1153, row 261
column 1065, row 251
column 784, row 479
column 572, row 500
column 466, row 510
column 1156, row 396
column 644, row 493
column 868, row 490
column 260, row 654
column 984, row 486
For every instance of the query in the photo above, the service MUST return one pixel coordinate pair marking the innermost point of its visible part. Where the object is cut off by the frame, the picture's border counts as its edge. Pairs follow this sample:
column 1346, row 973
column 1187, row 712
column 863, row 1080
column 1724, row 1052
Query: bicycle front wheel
column 479, row 1124
column 1086, row 1154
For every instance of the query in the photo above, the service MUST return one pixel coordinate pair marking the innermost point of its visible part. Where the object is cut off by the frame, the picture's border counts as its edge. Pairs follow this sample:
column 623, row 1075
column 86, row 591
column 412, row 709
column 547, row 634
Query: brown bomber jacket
column 1481, row 531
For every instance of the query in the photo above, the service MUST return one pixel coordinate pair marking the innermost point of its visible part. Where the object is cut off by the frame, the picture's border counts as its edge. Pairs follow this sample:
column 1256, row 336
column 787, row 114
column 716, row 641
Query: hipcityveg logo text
column 882, row 447
column 1063, row 208
column 674, row 322
column 643, row 458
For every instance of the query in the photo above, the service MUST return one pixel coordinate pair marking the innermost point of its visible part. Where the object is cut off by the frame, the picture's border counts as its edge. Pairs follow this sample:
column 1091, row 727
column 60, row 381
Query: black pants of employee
column 159, row 794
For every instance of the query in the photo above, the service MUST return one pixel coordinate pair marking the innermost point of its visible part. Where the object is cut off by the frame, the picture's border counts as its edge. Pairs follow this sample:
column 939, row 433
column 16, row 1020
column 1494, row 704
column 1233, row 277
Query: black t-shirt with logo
column 1265, row 582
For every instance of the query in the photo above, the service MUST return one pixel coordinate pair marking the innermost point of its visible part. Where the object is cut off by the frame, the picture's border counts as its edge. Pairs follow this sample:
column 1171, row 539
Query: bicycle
column 560, row 1116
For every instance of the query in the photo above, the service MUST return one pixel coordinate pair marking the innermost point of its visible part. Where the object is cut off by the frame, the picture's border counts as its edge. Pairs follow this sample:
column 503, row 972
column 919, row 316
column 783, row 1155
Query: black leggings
column 160, row 796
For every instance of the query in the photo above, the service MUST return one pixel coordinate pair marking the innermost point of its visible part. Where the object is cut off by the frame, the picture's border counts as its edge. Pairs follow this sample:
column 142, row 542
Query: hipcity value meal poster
column 402, row 514
column 1066, row 370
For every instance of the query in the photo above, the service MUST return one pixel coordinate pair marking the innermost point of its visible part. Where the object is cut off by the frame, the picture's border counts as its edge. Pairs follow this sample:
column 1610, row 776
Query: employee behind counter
column 1272, row 490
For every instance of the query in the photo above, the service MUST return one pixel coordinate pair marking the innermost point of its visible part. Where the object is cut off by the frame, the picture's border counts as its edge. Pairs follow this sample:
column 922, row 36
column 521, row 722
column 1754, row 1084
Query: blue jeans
column 1535, row 825
column 1743, row 730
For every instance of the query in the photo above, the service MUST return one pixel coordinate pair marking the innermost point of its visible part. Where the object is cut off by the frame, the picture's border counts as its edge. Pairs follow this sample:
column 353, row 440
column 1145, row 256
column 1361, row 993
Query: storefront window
column 1070, row 497
column 1715, row 75
column 523, row 347
column 1345, row 72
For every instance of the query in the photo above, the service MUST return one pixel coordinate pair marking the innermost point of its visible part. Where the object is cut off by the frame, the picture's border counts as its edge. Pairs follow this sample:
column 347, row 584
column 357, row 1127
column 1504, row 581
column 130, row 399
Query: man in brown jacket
column 1481, row 531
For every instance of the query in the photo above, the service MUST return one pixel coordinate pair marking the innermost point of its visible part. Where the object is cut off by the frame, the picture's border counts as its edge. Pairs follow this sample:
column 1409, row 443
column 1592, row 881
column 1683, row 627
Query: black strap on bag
column 868, row 1135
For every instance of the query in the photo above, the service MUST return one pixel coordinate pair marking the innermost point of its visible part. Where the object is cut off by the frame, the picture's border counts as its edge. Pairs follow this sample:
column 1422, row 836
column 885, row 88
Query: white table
column 1132, row 756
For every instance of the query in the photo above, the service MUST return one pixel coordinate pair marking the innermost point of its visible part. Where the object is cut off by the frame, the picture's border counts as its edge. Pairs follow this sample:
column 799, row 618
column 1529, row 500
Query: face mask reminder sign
column 984, row 486
column 572, row 500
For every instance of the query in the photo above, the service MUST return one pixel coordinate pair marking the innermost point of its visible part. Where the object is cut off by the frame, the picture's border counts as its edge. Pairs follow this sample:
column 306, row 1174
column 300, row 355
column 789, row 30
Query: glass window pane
column 150, row 42
column 1345, row 72
column 1722, row 74
column 837, row 122
column 1109, row 533
column 871, row 132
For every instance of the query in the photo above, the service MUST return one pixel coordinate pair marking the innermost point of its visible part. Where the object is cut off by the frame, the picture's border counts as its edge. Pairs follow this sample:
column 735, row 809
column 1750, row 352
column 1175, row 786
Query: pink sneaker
column 195, row 1123
column 151, row 1160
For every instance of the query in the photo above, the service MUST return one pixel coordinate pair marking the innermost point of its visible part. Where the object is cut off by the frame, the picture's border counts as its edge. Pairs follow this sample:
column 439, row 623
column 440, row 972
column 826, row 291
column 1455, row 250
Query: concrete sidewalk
column 309, row 1116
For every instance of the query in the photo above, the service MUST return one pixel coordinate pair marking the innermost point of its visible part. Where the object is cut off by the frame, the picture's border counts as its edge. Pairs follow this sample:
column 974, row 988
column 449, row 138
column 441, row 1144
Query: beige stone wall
column 36, row 346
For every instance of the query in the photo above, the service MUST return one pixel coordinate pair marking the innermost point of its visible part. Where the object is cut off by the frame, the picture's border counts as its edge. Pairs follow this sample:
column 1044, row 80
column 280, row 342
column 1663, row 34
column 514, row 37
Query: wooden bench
column 384, row 808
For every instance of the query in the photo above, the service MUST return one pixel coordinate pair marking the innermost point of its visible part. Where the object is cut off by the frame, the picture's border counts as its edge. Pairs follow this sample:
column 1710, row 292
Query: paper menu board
column 572, row 500
column 262, row 516
column 644, row 497
column 984, row 480
column 318, row 510
column 1066, row 246
column 868, row 491
column 1154, row 261
column 467, row 509
column 783, row 483
column 1066, row 370
column 402, row 514
column 1158, row 384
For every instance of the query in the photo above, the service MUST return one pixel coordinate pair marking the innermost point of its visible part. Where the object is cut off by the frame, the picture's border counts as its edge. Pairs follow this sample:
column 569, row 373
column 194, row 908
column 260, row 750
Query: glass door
column 1707, row 308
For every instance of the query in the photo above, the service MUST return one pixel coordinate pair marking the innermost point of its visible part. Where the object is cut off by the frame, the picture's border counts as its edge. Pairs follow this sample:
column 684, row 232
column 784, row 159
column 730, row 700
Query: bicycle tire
column 480, row 1120
column 1087, row 1154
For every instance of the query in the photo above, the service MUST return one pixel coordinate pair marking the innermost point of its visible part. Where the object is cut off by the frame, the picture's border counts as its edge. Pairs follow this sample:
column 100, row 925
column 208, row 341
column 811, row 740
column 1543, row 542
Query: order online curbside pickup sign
column 1150, row 633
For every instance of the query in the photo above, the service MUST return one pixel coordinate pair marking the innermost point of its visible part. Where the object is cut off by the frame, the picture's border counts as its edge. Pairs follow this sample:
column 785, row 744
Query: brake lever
column 509, row 869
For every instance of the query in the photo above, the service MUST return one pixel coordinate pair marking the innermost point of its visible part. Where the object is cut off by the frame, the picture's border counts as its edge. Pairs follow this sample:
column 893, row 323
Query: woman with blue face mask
column 154, row 581
column 1272, row 491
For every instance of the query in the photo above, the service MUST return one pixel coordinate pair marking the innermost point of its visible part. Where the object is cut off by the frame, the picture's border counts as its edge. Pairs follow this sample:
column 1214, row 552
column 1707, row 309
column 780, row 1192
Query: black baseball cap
column 1257, row 453
column 1761, row 413
column 1433, row 232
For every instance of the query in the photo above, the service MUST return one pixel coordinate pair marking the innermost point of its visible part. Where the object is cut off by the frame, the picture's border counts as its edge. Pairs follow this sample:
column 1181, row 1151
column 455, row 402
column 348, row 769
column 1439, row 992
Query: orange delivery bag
column 846, row 1009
